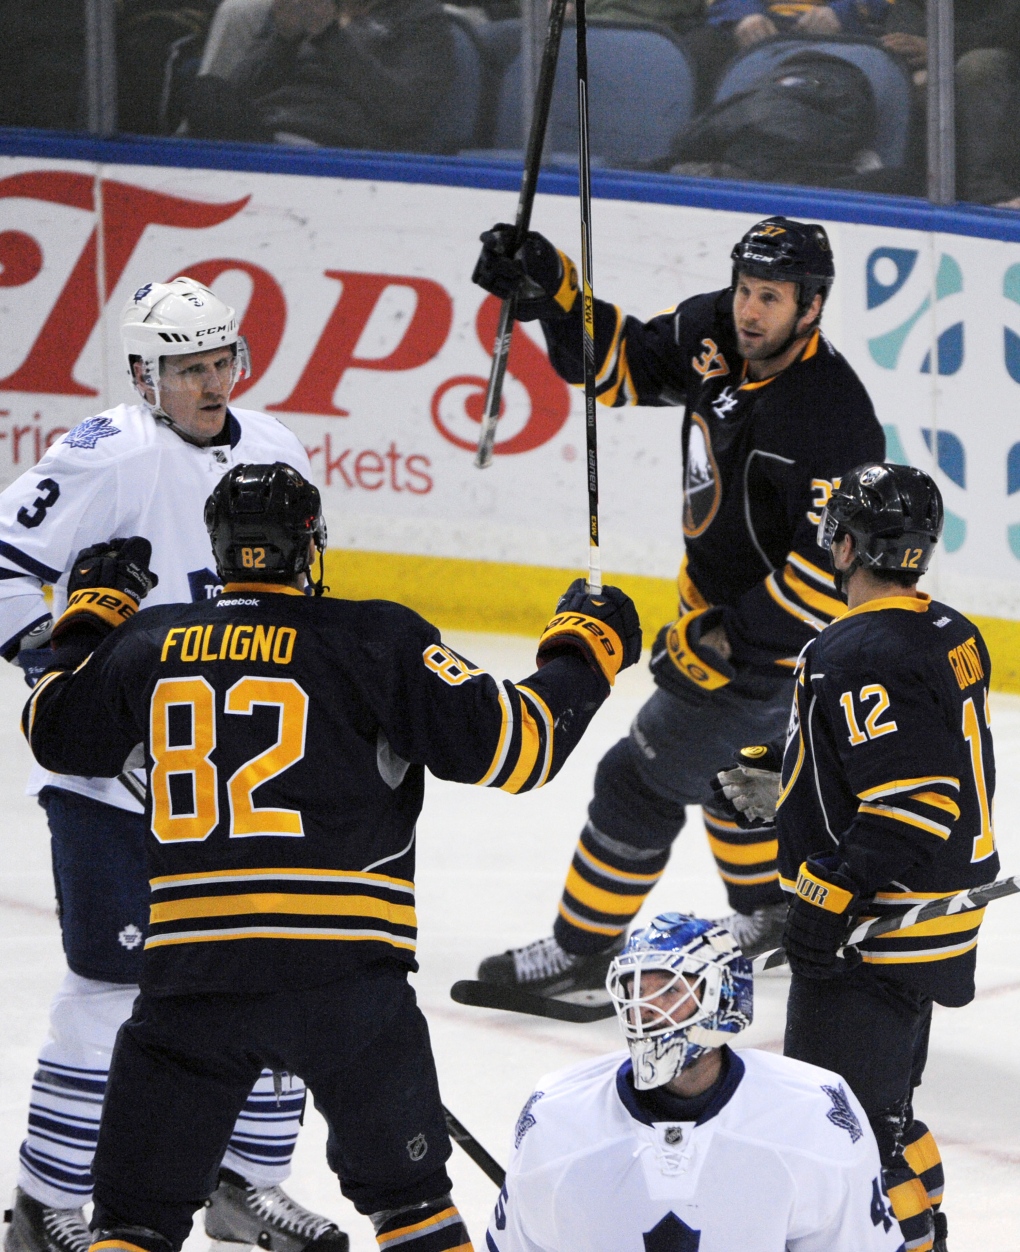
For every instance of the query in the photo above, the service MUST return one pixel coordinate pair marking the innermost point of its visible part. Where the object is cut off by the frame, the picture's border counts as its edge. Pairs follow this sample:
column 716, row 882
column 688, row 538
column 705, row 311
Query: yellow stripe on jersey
column 938, row 801
column 910, row 819
column 918, row 957
column 528, row 752
column 951, row 924
column 505, row 735
column 813, row 571
column 282, row 902
column 689, row 594
column 286, row 873
column 278, row 932
column 814, row 599
column 907, row 784
column 788, row 606
column 744, row 854
column 547, row 718
column 909, row 604
column 798, row 765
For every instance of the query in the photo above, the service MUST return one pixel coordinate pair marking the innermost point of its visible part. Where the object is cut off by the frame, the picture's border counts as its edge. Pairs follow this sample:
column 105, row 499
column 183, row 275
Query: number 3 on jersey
column 182, row 737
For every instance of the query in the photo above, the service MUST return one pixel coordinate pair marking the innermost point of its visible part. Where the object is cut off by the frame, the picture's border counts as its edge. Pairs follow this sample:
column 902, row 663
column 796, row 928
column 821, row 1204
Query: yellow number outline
column 246, row 819
column 192, row 759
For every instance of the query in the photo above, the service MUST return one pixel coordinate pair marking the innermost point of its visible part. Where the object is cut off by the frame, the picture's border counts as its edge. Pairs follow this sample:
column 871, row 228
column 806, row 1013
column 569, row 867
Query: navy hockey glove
column 31, row 653
column 604, row 629
column 679, row 659
column 821, row 916
column 748, row 791
column 543, row 279
column 108, row 581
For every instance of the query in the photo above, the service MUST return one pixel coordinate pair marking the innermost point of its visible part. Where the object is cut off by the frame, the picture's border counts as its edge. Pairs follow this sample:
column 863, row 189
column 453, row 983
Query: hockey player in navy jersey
column 886, row 801
column 286, row 739
column 685, row 1145
column 137, row 469
column 774, row 415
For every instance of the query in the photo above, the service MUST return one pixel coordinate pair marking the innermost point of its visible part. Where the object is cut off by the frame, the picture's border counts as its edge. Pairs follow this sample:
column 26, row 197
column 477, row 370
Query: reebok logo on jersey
column 88, row 433
column 943, row 621
column 233, row 604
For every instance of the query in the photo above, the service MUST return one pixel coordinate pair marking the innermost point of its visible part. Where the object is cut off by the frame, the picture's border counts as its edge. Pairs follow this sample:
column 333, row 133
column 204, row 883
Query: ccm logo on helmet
column 226, row 328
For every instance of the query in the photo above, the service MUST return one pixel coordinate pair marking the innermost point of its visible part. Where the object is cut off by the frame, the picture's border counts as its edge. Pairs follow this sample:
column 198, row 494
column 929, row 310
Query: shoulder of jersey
column 109, row 436
column 254, row 422
column 875, row 634
column 570, row 1108
column 796, row 1106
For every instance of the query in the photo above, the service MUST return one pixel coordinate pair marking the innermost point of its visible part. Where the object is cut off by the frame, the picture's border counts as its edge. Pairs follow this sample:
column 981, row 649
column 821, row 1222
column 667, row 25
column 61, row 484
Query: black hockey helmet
column 260, row 519
column 788, row 252
column 894, row 513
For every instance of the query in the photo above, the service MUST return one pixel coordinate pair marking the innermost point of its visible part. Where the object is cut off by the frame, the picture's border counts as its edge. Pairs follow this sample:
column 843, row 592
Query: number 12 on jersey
column 182, row 737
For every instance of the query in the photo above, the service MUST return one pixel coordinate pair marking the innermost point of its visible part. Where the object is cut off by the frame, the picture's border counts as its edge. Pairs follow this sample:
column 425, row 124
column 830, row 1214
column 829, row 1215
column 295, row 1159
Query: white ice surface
column 490, row 869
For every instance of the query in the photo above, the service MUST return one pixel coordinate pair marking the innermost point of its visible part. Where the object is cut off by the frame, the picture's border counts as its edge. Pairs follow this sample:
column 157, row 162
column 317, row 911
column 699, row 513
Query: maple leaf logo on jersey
column 841, row 1114
column 724, row 403
column 88, row 433
column 526, row 1121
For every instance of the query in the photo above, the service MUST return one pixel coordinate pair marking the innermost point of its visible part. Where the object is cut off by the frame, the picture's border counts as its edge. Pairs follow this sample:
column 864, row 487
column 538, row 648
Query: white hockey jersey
column 783, row 1160
column 121, row 473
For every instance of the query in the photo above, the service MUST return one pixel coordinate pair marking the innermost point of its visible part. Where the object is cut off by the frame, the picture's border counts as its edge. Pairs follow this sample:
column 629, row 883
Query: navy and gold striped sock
column 606, row 886
column 435, row 1226
column 911, row 1208
column 922, row 1155
column 746, row 860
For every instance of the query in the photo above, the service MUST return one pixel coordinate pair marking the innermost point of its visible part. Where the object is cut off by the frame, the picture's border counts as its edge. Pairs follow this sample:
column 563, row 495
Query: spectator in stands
column 342, row 73
column 708, row 47
column 753, row 21
column 987, row 37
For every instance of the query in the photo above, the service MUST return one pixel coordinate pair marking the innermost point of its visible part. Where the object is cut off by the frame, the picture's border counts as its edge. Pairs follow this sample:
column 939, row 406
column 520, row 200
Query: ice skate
column 239, row 1212
column 757, row 932
column 35, row 1227
column 543, row 968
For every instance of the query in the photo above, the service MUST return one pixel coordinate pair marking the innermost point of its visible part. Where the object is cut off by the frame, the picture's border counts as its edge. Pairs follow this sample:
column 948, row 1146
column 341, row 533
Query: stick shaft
column 466, row 1140
column 588, row 306
column 522, row 223
column 962, row 902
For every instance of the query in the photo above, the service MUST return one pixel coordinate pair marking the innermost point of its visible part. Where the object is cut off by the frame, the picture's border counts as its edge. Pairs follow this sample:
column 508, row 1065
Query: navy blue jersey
column 760, row 460
column 889, row 767
column 286, row 740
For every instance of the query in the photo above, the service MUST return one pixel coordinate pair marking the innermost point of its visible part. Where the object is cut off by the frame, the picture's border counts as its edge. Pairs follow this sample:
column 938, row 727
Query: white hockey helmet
column 173, row 319
column 700, row 959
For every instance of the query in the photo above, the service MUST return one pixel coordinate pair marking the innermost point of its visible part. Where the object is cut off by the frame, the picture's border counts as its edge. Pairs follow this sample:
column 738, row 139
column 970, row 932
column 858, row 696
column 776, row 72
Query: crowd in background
column 373, row 74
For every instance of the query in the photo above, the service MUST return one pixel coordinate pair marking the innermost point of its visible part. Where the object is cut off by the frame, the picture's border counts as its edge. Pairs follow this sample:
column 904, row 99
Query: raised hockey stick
column 588, row 305
column 522, row 223
column 460, row 1135
column 962, row 902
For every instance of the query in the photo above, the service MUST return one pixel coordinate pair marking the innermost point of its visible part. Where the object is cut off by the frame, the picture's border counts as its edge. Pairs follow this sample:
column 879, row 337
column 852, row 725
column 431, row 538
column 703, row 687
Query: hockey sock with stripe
column 606, row 885
column 435, row 1226
column 746, row 860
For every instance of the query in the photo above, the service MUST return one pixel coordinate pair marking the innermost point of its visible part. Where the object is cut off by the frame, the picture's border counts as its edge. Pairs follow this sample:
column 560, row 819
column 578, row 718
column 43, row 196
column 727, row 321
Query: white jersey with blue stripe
column 782, row 1160
column 121, row 473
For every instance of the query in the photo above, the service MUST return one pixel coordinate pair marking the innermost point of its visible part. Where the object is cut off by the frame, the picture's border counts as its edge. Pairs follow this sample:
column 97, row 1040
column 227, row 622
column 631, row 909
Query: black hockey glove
column 543, row 279
column 108, row 581
column 31, row 653
column 748, row 791
column 679, row 659
column 604, row 629
column 821, row 916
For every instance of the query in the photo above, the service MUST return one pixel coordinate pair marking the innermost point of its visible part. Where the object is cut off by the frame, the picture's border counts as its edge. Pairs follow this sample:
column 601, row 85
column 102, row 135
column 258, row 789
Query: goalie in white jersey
column 138, row 469
column 685, row 1145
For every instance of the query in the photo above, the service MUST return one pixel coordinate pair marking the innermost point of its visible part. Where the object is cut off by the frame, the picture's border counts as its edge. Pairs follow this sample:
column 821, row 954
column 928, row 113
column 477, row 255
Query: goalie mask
column 174, row 319
column 701, row 995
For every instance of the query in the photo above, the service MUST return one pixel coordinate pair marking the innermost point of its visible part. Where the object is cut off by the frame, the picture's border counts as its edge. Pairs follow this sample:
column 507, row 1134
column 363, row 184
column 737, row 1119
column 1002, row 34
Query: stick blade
column 488, row 995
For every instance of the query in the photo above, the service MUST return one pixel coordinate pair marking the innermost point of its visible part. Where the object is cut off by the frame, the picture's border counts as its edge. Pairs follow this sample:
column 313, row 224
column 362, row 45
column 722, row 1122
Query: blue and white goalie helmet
column 680, row 987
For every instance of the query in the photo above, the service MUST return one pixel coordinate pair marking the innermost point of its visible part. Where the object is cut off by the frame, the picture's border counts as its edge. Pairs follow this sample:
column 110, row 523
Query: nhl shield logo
column 673, row 1135
column 417, row 1147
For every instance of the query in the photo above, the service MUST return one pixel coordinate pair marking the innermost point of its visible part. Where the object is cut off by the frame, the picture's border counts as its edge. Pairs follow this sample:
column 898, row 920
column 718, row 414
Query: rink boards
column 371, row 342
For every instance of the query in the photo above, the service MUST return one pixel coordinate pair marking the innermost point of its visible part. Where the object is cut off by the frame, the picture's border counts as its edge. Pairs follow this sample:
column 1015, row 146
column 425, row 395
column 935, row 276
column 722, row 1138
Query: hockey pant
column 873, row 1030
column 642, row 788
column 103, row 899
column 183, row 1067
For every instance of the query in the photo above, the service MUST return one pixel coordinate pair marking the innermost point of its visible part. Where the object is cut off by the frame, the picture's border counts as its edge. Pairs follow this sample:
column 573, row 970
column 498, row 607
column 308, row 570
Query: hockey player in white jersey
column 138, row 469
column 685, row 1145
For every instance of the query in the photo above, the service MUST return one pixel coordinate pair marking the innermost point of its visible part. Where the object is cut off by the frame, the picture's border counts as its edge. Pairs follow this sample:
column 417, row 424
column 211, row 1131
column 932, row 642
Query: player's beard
column 770, row 346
